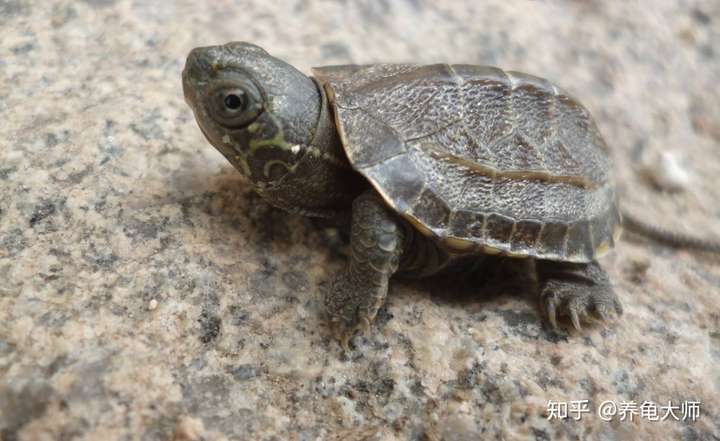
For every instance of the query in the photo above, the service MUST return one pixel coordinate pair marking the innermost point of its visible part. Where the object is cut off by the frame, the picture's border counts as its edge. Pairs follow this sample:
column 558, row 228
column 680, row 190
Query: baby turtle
column 428, row 167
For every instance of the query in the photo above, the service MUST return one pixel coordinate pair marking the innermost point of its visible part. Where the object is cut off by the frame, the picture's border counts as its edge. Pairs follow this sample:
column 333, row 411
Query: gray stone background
column 145, row 294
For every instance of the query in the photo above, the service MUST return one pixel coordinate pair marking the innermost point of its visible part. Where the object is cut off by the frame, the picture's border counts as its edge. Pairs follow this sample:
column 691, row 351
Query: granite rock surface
column 146, row 294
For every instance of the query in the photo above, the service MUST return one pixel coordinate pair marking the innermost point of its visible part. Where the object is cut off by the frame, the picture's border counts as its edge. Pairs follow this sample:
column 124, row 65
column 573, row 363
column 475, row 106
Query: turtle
column 428, row 168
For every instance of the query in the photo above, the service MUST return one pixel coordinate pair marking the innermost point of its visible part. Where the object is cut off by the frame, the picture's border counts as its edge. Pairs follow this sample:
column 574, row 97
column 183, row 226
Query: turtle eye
column 235, row 101
column 236, row 107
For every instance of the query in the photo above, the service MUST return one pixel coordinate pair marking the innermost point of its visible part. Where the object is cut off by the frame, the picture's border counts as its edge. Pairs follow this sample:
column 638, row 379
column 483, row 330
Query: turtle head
column 257, row 110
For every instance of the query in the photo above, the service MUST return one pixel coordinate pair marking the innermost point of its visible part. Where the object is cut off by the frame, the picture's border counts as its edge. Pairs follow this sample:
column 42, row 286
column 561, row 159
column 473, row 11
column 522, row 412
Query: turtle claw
column 345, row 332
column 363, row 325
column 575, row 318
column 605, row 311
column 551, row 312
column 602, row 313
column 338, row 333
column 345, row 341
column 581, row 304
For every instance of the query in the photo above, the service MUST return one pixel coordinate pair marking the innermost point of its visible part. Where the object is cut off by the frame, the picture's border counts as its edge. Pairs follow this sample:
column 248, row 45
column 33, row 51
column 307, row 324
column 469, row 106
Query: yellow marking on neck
column 269, row 164
column 278, row 141
column 239, row 157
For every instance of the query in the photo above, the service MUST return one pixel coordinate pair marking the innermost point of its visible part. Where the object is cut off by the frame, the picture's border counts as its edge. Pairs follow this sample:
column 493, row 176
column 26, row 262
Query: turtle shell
column 483, row 159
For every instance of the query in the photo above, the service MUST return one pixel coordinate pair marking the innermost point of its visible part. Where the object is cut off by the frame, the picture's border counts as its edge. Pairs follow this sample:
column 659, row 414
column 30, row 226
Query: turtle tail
column 668, row 237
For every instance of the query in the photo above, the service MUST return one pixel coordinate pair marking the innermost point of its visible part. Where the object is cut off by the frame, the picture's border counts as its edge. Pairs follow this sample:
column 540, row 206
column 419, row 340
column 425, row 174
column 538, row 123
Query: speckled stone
column 146, row 294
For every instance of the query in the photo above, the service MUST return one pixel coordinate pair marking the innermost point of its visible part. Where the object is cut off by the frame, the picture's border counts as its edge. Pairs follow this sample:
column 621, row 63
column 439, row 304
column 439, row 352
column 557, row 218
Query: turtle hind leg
column 580, row 292
column 358, row 292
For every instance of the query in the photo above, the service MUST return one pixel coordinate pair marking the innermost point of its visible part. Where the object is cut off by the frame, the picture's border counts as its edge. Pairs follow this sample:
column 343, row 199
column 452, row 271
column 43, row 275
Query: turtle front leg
column 579, row 292
column 358, row 292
